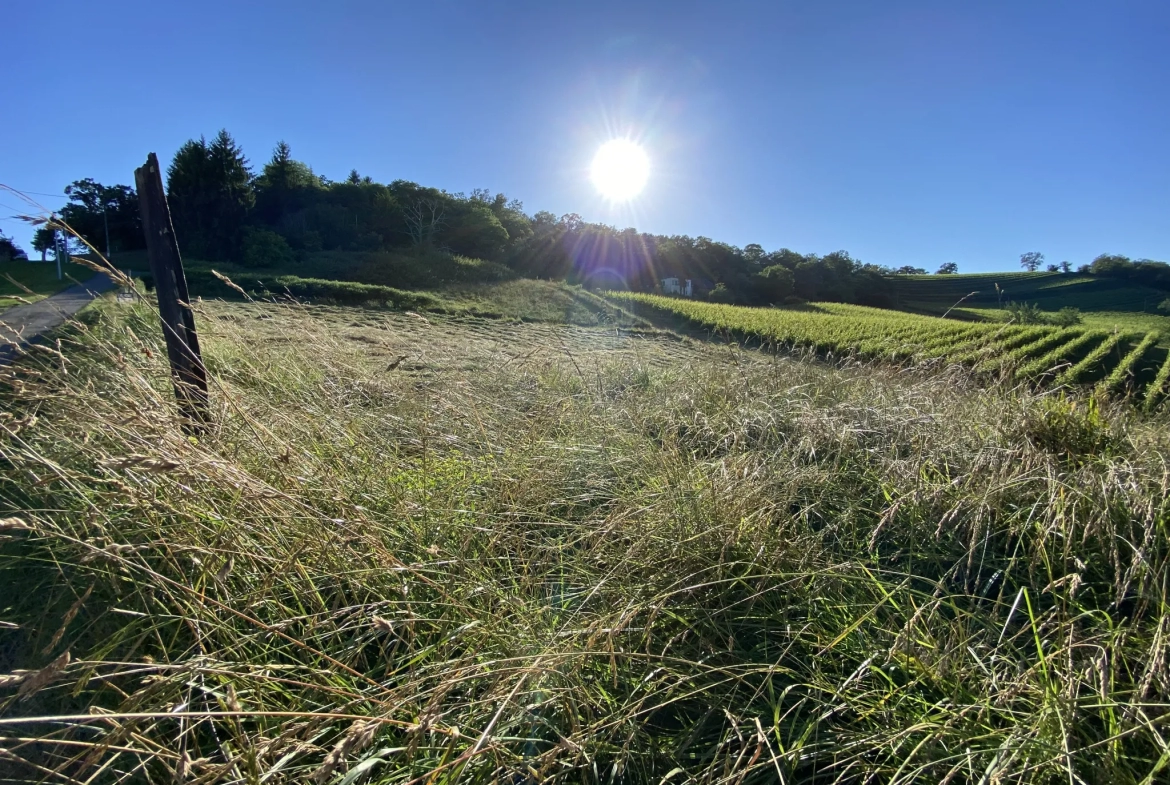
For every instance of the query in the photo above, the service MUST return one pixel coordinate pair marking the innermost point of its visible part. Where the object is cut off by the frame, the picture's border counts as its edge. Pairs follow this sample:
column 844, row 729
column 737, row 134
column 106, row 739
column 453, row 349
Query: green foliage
column 10, row 251
column 1025, row 313
column 1066, row 317
column 209, row 189
column 45, row 239
column 776, row 283
column 1145, row 272
column 1111, row 264
column 285, row 187
column 409, row 270
column 721, row 294
column 1095, row 363
column 1159, row 388
column 1041, row 341
column 265, row 248
column 475, row 231
column 1020, row 352
column 1064, row 352
column 1031, row 261
column 1072, row 429
column 95, row 208
column 1122, row 376
column 948, row 268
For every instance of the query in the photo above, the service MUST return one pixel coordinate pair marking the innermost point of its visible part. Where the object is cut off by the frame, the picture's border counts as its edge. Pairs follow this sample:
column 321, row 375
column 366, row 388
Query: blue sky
column 903, row 132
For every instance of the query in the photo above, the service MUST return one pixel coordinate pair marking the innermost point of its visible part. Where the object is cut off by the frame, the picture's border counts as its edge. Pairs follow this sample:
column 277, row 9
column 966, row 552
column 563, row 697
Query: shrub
column 721, row 294
column 266, row 248
column 1066, row 317
column 1025, row 313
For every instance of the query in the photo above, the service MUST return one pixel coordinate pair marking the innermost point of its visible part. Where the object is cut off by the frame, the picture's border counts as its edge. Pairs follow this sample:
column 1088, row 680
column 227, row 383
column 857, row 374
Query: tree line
column 225, row 210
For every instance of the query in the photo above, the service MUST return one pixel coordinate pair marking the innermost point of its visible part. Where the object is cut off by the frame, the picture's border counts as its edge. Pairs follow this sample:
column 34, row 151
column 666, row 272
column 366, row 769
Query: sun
column 620, row 169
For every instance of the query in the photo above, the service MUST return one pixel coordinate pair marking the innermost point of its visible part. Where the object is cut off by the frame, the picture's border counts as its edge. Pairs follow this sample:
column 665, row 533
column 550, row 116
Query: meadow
column 1129, row 364
column 435, row 547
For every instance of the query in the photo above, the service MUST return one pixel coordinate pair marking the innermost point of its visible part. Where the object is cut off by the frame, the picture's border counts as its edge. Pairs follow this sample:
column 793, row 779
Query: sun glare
column 620, row 169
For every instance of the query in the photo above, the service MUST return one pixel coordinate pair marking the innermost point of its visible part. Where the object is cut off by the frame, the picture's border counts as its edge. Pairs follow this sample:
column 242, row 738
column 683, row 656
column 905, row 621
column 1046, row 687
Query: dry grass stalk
column 36, row 681
column 613, row 561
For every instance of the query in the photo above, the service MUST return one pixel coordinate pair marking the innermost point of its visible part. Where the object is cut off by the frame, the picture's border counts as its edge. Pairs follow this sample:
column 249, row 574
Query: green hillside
column 1050, row 291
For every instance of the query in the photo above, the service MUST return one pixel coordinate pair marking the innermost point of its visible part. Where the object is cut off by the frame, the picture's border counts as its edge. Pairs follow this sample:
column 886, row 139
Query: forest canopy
column 226, row 209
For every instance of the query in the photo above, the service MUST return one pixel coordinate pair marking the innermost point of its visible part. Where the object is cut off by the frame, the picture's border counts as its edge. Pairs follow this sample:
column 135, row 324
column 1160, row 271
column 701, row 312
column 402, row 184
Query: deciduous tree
column 95, row 210
column 775, row 283
column 10, row 251
column 1031, row 261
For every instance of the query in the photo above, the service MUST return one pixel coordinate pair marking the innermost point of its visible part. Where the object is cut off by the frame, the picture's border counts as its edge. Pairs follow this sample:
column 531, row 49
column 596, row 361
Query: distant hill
column 1051, row 291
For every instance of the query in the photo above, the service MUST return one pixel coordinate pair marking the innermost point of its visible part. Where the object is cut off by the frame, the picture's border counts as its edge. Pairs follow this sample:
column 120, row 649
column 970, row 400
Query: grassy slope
column 40, row 277
column 538, row 548
column 1132, row 321
column 1051, row 291
column 462, row 292
column 488, row 288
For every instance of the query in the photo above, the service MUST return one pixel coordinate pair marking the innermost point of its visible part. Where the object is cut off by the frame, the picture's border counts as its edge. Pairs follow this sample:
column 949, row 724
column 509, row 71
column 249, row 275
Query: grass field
column 522, row 299
column 439, row 548
column 39, row 277
column 936, row 294
column 1130, row 364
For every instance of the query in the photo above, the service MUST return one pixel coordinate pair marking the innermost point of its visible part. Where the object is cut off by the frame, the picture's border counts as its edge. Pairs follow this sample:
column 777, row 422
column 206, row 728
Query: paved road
column 25, row 323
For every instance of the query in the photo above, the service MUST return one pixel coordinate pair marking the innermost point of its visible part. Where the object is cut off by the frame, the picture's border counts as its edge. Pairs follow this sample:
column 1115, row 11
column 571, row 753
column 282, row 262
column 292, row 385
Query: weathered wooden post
column 187, row 370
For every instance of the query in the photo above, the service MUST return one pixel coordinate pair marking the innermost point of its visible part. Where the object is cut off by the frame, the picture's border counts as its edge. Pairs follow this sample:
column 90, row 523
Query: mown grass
column 523, row 299
column 427, row 548
column 403, row 270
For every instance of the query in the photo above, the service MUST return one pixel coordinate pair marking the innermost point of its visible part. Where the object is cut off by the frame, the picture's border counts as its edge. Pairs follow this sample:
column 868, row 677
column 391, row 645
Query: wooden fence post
column 187, row 370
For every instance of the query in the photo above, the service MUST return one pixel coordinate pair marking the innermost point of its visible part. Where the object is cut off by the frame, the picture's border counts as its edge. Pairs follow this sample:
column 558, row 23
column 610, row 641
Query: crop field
column 1132, row 321
column 1125, row 363
column 441, row 548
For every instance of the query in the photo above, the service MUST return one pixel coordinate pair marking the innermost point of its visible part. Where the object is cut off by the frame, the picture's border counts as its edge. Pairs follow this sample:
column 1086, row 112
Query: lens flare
column 620, row 170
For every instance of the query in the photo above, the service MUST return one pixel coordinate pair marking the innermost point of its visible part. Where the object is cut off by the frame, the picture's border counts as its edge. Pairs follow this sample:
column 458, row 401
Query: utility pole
column 106, row 223
column 59, row 245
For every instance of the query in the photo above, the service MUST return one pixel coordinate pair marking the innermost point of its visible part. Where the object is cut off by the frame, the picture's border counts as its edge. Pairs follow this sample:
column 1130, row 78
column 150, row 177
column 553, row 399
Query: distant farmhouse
column 672, row 286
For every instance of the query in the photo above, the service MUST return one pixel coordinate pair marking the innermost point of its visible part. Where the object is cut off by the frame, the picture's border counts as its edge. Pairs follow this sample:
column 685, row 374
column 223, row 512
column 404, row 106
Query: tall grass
column 417, row 550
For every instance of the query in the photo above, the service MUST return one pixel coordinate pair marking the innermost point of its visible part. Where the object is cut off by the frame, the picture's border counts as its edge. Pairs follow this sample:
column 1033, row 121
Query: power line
column 17, row 210
column 38, row 193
